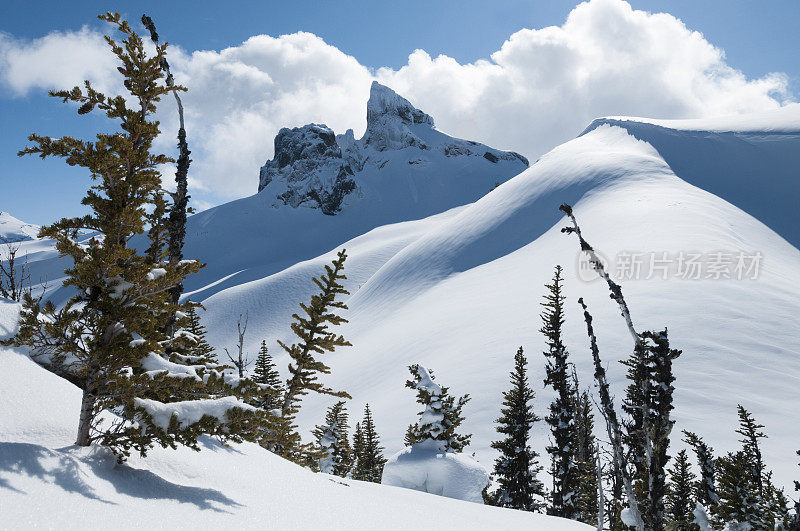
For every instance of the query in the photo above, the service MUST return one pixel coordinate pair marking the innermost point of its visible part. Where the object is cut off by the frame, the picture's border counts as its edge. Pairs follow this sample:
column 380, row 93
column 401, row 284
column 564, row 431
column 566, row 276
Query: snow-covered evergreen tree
column 705, row 491
column 109, row 338
column 367, row 450
column 442, row 414
column 561, row 418
column 516, row 469
column 680, row 500
column 334, row 442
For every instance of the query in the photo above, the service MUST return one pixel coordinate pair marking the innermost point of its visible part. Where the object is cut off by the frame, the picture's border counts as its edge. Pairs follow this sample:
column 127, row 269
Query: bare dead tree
column 613, row 426
column 13, row 275
column 241, row 362
column 176, row 221
column 649, row 406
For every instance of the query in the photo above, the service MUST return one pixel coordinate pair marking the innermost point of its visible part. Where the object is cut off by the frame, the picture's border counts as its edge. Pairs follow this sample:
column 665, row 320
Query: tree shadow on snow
column 64, row 470
column 50, row 466
column 140, row 483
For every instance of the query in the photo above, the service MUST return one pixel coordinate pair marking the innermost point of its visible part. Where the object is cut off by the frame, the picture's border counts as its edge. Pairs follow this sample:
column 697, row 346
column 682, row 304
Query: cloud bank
column 541, row 88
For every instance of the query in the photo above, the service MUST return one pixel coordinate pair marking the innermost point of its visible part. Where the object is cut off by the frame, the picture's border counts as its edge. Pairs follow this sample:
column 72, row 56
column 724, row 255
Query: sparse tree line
column 148, row 376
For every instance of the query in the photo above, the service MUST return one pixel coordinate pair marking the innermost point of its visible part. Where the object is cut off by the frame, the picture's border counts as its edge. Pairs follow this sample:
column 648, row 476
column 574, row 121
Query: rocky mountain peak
column 314, row 167
column 385, row 103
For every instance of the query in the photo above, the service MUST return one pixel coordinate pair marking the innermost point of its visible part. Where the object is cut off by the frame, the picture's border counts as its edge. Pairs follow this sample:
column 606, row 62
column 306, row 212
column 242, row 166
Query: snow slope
column 14, row 230
column 46, row 483
column 460, row 291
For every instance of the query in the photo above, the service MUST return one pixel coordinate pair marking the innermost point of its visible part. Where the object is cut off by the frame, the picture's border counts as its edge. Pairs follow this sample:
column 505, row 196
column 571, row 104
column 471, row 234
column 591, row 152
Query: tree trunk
column 87, row 415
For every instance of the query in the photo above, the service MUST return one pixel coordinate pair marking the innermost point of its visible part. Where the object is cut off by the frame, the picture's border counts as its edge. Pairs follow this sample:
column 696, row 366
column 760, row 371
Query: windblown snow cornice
column 750, row 160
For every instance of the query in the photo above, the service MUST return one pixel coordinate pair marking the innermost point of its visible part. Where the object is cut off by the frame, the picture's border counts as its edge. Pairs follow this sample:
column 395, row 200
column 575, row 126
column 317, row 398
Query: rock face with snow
column 13, row 230
column 309, row 166
column 313, row 167
column 424, row 467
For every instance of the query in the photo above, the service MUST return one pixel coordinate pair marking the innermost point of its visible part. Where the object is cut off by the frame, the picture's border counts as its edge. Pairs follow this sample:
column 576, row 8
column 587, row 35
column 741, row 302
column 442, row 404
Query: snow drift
column 425, row 467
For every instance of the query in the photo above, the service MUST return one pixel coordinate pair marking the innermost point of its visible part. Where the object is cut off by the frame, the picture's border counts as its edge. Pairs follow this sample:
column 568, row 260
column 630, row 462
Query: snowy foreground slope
column 458, row 292
column 46, row 483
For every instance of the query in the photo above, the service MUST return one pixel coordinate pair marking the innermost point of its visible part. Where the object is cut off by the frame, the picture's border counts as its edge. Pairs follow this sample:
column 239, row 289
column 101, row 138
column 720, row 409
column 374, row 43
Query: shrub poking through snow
column 109, row 338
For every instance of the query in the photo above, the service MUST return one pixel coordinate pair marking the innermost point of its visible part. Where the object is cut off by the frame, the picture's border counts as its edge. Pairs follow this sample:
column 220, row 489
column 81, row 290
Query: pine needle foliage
column 108, row 338
column 517, row 467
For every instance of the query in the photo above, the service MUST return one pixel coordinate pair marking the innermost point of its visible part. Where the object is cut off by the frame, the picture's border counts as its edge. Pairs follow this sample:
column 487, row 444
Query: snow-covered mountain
column 452, row 278
column 14, row 230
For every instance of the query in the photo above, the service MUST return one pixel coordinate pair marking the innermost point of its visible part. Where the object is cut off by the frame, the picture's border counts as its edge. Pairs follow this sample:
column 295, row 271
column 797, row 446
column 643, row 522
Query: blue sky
column 757, row 37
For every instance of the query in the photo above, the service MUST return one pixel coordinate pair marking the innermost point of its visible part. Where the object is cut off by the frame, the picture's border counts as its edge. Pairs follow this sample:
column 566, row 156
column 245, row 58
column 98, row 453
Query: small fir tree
column 367, row 450
column 680, row 500
column 739, row 505
column 517, row 466
column 314, row 338
column 194, row 327
column 441, row 417
column 561, row 418
column 333, row 440
column 265, row 373
column 586, row 502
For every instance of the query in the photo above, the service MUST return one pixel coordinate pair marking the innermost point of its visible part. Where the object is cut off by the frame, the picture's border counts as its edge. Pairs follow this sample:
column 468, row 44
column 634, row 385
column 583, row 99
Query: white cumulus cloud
column 541, row 88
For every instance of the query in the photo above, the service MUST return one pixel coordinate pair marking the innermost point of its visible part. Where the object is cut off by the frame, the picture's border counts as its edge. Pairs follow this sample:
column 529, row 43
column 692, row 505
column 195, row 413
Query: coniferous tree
column 706, row 487
column 739, row 506
column 198, row 331
column 367, row 450
column 175, row 223
column 564, row 468
column 108, row 338
column 265, row 373
column 333, row 440
column 586, row 502
column 794, row 524
column 680, row 500
column 314, row 338
column 517, row 466
column 442, row 414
